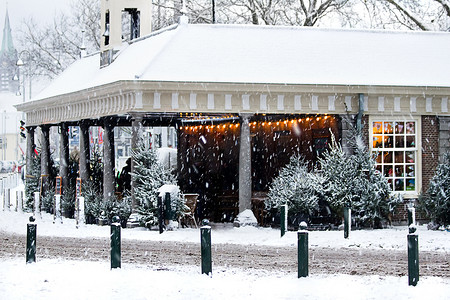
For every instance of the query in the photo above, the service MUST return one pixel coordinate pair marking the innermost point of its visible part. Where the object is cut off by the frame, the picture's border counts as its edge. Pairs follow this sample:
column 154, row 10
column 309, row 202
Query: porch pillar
column 84, row 152
column 30, row 148
column 136, row 126
column 45, row 158
column 109, row 179
column 64, row 156
column 245, row 165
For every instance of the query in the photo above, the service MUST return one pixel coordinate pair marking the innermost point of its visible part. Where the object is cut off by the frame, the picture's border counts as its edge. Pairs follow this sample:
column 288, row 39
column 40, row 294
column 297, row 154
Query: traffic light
column 22, row 129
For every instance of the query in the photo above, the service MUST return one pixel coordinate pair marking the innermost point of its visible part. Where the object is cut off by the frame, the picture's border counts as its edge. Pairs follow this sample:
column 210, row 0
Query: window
column 394, row 143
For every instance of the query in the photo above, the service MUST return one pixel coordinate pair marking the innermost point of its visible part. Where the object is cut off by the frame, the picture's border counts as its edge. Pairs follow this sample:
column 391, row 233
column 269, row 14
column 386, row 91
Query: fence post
column 303, row 255
column 58, row 214
column 284, row 219
column 115, row 243
column 37, row 203
column 411, row 215
column 31, row 241
column 160, row 214
column 7, row 196
column 205, row 237
column 413, row 256
column 347, row 221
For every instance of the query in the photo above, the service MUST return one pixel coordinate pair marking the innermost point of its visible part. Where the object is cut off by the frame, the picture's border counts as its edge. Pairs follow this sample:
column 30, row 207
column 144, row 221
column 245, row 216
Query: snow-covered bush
column 436, row 200
column 353, row 180
column 149, row 175
column 296, row 187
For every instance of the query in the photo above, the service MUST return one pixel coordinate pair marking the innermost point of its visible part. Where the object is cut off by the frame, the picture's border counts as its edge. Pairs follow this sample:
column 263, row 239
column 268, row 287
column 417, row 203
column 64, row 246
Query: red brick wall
column 430, row 148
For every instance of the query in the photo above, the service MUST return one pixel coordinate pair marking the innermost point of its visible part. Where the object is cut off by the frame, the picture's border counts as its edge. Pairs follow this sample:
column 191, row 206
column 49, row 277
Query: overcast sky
column 40, row 10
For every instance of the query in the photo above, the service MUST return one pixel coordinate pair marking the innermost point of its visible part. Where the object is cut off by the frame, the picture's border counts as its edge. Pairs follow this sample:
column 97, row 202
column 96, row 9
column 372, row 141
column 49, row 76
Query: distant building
column 8, row 58
column 11, row 147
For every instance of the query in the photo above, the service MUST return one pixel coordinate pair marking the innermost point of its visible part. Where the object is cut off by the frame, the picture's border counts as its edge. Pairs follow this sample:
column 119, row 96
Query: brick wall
column 430, row 148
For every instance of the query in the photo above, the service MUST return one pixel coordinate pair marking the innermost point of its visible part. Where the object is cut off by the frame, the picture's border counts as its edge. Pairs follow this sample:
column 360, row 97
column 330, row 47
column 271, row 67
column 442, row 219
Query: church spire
column 7, row 43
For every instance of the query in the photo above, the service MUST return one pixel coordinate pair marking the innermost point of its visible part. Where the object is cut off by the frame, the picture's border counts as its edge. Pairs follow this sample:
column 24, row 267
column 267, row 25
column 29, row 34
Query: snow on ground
column 54, row 279
column 71, row 279
column 393, row 238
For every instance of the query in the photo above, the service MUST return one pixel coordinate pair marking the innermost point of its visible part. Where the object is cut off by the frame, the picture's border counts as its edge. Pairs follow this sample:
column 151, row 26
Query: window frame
column 416, row 149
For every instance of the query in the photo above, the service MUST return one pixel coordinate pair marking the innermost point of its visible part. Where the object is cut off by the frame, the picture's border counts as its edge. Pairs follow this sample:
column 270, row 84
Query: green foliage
column 436, row 200
column 32, row 181
column 353, row 180
column 296, row 187
column 149, row 175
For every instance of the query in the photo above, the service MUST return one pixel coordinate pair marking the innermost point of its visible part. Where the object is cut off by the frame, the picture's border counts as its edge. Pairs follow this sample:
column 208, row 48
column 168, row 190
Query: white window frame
column 417, row 149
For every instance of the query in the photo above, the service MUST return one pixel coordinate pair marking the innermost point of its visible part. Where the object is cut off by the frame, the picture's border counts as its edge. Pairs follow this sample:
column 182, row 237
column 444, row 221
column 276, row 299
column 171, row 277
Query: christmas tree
column 353, row 181
column 296, row 187
column 149, row 175
column 436, row 200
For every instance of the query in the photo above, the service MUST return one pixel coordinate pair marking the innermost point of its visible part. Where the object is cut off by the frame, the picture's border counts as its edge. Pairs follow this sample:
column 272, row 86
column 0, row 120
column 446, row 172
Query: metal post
column 7, row 196
column 167, row 207
column 58, row 214
column 411, row 215
column 160, row 215
column 283, row 219
column 303, row 255
column 347, row 221
column 115, row 243
column 31, row 241
column 205, row 236
column 37, row 203
column 413, row 256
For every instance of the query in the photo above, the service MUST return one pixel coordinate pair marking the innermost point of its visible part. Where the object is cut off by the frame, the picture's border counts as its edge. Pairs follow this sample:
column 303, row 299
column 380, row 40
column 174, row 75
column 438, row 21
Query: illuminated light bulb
column 318, row 118
column 270, row 123
column 307, row 119
column 278, row 123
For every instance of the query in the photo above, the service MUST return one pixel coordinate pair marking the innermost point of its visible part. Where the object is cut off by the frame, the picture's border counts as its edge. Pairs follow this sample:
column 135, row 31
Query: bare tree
column 54, row 46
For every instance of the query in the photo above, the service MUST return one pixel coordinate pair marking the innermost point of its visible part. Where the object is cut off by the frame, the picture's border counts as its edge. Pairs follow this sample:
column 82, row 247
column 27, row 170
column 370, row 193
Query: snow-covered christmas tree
column 149, row 175
column 296, row 187
column 436, row 200
column 352, row 180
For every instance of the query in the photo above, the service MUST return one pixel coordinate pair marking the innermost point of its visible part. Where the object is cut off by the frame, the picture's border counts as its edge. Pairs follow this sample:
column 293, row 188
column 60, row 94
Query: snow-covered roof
column 270, row 55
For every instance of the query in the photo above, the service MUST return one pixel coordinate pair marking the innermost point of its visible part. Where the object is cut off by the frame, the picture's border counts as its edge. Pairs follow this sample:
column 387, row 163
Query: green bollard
column 413, row 256
column 303, row 255
column 283, row 219
column 347, row 221
column 160, row 215
column 115, row 243
column 31, row 241
column 205, row 236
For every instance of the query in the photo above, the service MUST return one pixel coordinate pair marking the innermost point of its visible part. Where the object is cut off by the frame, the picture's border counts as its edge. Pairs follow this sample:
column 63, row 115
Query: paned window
column 394, row 143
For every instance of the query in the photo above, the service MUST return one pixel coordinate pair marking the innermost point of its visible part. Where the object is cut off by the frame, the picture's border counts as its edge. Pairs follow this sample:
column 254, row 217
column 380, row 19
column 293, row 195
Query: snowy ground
column 52, row 279
column 75, row 279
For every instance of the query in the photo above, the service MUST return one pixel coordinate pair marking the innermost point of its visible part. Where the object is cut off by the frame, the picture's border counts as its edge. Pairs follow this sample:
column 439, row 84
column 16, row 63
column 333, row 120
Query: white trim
column 298, row 102
column 429, row 104
column 280, row 102
column 138, row 100
column 175, row 101
column 314, row 102
column 397, row 104
column 156, row 100
column 417, row 149
column 381, row 103
column 228, row 105
column 412, row 104
column 263, row 102
column 246, row 102
column 366, row 103
column 193, row 101
column 331, row 103
column 348, row 102
column 210, row 101
column 444, row 104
